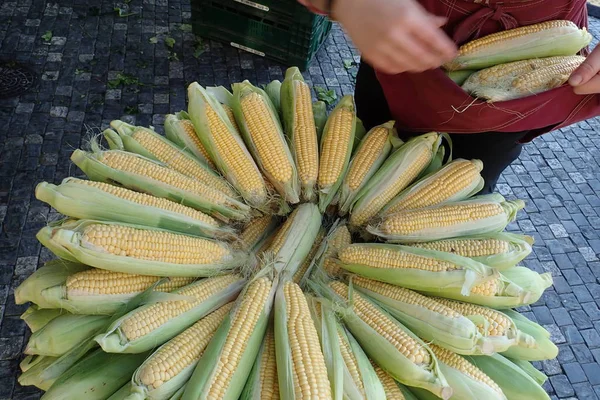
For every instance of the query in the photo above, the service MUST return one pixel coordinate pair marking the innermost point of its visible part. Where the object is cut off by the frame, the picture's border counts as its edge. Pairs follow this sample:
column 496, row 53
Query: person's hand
column 395, row 36
column 585, row 79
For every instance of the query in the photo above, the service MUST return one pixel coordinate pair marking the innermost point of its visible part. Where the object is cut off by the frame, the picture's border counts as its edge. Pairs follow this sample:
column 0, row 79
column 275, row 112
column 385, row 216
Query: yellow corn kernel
column 149, row 200
column 366, row 156
column 147, row 319
column 252, row 232
column 153, row 245
column 385, row 257
column 339, row 239
column 351, row 362
column 489, row 288
column 498, row 324
column 310, row 371
column 242, row 327
column 231, row 116
column 188, row 127
column 335, row 146
column 305, row 136
column 459, row 363
column 468, row 247
column 276, row 242
column 385, row 327
column 269, row 383
column 392, row 391
column 502, row 72
column 183, row 350
column 546, row 78
column 270, row 146
column 95, row 281
column 309, row 258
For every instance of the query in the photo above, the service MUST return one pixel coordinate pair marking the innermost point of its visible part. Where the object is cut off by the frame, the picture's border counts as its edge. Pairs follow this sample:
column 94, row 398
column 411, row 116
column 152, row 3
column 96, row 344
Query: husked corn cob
column 303, row 373
column 310, row 258
column 299, row 123
column 171, row 365
column 457, row 180
column 478, row 215
column 225, row 146
column 391, row 386
column 254, row 232
column 263, row 134
column 227, row 362
column 545, row 39
column 263, row 383
column 522, row 81
column 180, row 130
column 231, row 116
column 396, row 173
column 338, row 238
column 152, row 324
column 468, row 247
column 335, row 150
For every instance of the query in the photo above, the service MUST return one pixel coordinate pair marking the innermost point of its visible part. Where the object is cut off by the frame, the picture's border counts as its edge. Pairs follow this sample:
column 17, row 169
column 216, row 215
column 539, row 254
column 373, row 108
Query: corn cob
column 123, row 393
column 225, row 146
column 320, row 114
column 31, row 361
column 301, row 371
column 171, row 365
column 134, row 249
column 142, row 174
column 299, row 123
column 387, row 342
column 225, row 98
column 457, row 180
column 52, row 273
column 546, row 39
column 273, row 90
column 152, row 324
column 263, row 383
column 37, row 318
column 180, row 130
column 396, row 173
column 335, row 150
column 338, row 238
column 372, row 151
column 417, row 269
column 466, row 379
column 150, row 144
column 254, row 232
column 306, row 267
column 264, row 137
column 545, row 349
column 58, row 336
column 33, row 367
column 393, row 390
column 512, row 380
column 517, row 81
column 227, row 361
column 99, row 375
column 86, row 199
column 428, row 318
column 475, row 216
column 102, row 292
column 498, row 250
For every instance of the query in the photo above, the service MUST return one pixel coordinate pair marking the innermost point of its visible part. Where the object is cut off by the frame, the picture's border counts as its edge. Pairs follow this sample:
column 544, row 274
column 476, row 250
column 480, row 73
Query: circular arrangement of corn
column 266, row 250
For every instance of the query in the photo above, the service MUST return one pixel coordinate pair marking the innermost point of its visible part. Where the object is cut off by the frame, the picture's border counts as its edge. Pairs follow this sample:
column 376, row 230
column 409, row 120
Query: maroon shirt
column 430, row 101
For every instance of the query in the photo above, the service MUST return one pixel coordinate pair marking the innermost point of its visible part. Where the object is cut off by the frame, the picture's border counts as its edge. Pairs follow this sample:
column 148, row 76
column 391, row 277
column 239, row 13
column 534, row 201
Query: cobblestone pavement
column 558, row 175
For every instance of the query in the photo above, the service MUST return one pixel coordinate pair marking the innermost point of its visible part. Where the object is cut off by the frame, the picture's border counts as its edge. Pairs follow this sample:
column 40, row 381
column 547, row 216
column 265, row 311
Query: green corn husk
column 199, row 385
column 347, row 193
column 170, row 351
column 36, row 318
column 273, row 90
column 360, row 133
column 323, row 260
column 176, row 134
column 68, row 238
column 304, row 146
column 404, row 165
column 327, row 192
column 122, row 393
column 530, row 370
column 225, row 208
column 199, row 101
column 433, row 229
column 52, row 273
column 459, row 77
column 563, row 40
column 469, row 273
column 98, row 376
column 79, row 200
column 456, row 333
column 178, row 394
column 290, row 190
column 516, row 287
column 382, row 351
column 545, row 350
column 514, row 382
column 31, row 361
column 254, row 390
column 114, row 339
column 333, row 335
column 320, row 115
column 63, row 333
column 306, row 268
column 33, row 367
column 519, row 248
column 434, row 183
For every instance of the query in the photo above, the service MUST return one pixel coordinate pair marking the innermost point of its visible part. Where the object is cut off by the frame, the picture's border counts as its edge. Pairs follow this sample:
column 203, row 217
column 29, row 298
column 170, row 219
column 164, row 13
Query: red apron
column 430, row 101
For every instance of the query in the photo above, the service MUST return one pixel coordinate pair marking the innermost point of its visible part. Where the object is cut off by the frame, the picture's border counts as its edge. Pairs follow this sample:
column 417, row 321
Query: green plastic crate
column 291, row 10
column 292, row 44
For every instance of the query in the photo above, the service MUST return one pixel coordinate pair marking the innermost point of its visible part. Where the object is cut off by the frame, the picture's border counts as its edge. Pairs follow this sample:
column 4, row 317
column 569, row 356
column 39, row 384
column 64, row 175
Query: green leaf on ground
column 170, row 42
column 47, row 36
column 328, row 96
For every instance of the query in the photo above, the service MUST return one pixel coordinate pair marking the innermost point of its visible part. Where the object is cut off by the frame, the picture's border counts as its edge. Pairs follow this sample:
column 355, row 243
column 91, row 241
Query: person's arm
column 586, row 79
column 394, row 36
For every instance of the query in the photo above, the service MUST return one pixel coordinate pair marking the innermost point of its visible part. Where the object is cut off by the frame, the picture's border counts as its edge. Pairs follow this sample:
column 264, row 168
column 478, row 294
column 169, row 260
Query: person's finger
column 587, row 70
column 416, row 55
column 436, row 40
column 592, row 86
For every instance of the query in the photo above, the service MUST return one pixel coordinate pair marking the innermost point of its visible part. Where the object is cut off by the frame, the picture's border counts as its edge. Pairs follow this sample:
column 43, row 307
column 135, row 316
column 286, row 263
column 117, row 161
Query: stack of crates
column 281, row 30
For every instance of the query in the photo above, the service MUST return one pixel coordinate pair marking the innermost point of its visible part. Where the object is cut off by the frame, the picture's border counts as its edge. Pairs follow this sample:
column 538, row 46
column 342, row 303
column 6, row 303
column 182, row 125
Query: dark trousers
column 497, row 150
